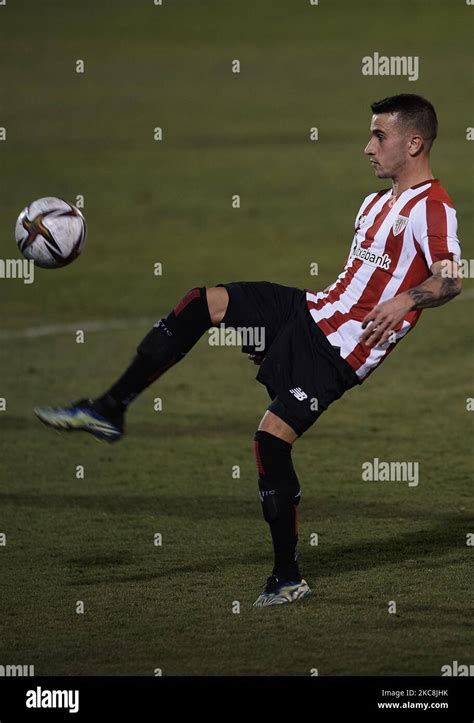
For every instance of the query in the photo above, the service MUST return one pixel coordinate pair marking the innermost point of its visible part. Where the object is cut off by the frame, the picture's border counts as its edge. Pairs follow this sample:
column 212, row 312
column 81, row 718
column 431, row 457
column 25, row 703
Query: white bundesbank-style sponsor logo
column 299, row 393
column 381, row 260
column 399, row 225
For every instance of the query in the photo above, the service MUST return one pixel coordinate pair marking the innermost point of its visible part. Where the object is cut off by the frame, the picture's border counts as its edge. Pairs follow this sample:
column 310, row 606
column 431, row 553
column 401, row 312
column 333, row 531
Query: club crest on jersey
column 399, row 225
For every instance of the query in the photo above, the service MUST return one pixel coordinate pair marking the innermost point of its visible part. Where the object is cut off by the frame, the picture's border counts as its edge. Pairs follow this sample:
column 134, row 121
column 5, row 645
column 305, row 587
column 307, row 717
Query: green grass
column 91, row 539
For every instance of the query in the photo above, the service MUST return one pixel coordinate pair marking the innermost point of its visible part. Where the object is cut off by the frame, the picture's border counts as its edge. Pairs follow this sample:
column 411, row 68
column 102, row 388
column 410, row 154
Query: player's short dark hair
column 413, row 110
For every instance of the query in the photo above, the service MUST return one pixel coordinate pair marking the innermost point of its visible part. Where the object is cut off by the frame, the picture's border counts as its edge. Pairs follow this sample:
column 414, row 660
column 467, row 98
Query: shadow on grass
column 318, row 510
column 184, row 425
column 439, row 535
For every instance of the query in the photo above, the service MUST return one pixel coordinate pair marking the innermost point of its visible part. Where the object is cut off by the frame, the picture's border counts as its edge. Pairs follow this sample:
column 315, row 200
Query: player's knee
column 194, row 297
column 277, row 480
column 177, row 332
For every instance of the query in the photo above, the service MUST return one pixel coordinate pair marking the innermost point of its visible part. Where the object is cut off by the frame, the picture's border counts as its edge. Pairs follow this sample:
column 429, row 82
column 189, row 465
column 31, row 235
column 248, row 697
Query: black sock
column 280, row 496
column 165, row 344
column 284, row 533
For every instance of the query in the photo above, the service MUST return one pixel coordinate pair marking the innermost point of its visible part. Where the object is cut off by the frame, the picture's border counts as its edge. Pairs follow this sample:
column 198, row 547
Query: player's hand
column 385, row 318
column 257, row 358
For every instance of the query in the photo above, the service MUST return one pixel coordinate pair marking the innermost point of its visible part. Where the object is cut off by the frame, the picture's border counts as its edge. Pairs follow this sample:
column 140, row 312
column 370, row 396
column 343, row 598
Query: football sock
column 280, row 495
column 165, row 344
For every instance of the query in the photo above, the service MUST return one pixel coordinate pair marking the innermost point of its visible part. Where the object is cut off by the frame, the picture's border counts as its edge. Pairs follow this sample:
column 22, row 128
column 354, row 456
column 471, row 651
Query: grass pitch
column 68, row 539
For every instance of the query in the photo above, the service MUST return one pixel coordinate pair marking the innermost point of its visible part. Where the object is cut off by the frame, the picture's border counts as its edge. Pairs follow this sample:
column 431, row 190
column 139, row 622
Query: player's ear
column 415, row 145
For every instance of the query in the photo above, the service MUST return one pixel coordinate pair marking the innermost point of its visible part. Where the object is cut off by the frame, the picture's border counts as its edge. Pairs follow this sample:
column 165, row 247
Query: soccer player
column 404, row 258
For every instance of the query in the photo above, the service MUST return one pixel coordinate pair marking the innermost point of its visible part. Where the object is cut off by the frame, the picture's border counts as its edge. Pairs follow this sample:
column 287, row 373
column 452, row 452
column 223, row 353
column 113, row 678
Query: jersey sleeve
column 435, row 228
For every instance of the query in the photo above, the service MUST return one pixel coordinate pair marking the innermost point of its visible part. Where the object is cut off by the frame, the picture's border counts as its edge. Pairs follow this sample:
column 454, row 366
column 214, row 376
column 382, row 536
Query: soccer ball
column 51, row 232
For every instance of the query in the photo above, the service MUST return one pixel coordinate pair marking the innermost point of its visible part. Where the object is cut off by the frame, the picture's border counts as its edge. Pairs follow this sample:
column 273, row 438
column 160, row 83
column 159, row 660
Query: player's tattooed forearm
column 425, row 298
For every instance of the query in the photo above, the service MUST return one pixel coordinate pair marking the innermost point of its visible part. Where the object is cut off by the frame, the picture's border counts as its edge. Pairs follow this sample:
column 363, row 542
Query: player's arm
column 443, row 285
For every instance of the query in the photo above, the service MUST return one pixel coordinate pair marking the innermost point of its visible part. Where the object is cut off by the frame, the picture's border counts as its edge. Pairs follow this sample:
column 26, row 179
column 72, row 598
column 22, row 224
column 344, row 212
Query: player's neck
column 402, row 182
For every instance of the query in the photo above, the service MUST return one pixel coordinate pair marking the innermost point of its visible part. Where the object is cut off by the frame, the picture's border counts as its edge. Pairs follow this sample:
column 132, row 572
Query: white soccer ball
column 51, row 232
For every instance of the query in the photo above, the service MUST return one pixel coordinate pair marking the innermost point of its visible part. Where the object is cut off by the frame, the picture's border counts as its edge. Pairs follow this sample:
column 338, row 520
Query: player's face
column 388, row 146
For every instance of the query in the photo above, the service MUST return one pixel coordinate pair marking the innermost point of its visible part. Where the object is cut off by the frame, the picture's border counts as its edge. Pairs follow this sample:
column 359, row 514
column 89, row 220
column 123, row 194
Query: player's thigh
column 273, row 424
column 261, row 304
column 217, row 301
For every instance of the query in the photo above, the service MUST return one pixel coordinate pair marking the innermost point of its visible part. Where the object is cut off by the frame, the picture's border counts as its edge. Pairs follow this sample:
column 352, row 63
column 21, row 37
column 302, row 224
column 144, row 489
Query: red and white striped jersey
column 396, row 242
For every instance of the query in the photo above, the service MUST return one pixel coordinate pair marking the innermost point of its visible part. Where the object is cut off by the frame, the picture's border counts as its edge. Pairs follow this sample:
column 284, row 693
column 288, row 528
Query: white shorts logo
column 399, row 225
column 299, row 394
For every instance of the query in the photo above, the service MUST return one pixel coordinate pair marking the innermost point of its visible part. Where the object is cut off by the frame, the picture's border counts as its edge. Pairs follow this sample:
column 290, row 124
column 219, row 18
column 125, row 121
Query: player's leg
column 280, row 494
column 307, row 375
column 273, row 424
column 169, row 340
column 246, row 304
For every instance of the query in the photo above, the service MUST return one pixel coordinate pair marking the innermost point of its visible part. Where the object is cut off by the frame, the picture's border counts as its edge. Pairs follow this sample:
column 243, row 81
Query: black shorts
column 303, row 373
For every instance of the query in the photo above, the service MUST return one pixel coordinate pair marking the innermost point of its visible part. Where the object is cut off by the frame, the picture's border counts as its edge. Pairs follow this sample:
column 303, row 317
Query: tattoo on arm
column 424, row 297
